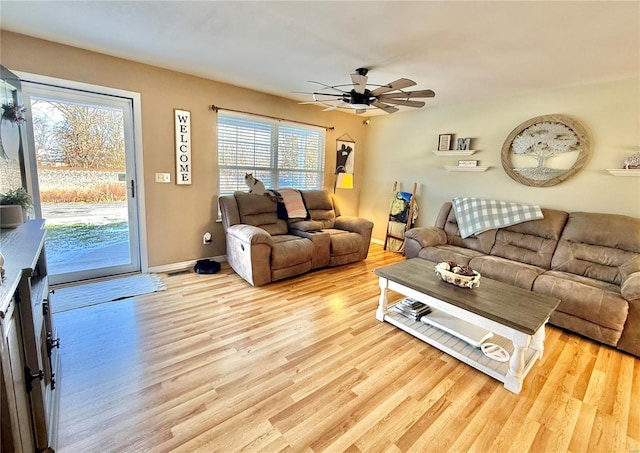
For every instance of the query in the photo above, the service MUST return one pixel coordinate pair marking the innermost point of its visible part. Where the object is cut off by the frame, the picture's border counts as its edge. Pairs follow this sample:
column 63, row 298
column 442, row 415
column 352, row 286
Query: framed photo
column 467, row 163
column 444, row 142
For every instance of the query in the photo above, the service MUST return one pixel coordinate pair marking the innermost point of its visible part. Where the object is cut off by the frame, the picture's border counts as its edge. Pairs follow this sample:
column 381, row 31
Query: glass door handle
column 133, row 189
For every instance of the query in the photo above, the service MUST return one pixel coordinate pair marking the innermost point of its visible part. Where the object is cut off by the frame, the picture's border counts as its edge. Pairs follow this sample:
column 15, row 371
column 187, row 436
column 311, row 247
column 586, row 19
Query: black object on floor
column 206, row 267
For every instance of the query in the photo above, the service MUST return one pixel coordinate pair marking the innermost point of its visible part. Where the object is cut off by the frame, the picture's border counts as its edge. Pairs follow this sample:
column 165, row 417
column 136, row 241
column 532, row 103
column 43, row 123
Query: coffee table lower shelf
column 460, row 349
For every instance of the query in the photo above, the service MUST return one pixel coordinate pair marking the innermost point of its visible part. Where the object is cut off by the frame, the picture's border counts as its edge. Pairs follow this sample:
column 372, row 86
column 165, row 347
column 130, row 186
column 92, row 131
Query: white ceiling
column 463, row 50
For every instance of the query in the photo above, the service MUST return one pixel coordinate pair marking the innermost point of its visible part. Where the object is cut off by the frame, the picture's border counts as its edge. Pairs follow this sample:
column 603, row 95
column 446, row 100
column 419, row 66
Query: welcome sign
column 182, row 122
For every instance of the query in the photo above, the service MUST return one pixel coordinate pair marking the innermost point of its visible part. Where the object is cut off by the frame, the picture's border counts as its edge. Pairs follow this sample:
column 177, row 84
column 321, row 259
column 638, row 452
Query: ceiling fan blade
column 328, row 94
column 321, row 101
column 322, row 97
column 329, row 86
column 408, row 94
column 359, row 82
column 343, row 105
column 385, row 107
column 395, row 85
column 406, row 102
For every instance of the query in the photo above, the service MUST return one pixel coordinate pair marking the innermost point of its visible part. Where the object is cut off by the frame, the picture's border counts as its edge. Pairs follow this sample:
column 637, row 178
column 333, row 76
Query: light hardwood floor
column 213, row 364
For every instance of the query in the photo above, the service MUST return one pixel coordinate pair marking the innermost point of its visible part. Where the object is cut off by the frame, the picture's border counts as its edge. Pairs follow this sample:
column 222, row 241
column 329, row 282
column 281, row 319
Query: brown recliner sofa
column 590, row 261
column 263, row 247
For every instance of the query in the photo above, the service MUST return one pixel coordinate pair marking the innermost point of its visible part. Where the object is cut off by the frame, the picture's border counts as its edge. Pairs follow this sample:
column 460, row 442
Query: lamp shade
column 345, row 181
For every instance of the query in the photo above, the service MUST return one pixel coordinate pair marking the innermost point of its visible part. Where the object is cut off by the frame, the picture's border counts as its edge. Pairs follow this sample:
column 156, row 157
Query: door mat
column 88, row 294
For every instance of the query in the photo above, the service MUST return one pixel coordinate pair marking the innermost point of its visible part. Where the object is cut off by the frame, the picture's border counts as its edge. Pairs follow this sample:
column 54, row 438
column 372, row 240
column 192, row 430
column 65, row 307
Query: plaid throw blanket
column 475, row 215
column 293, row 203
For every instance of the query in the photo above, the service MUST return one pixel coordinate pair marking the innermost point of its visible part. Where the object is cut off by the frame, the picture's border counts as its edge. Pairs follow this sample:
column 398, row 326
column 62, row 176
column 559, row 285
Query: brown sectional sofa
column 590, row 261
column 263, row 247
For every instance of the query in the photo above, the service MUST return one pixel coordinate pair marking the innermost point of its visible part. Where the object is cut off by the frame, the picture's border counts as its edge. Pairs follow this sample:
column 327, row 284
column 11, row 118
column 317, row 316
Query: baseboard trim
column 183, row 265
column 377, row 241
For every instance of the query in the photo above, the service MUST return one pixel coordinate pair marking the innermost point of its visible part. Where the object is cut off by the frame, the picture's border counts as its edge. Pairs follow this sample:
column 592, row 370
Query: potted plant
column 13, row 207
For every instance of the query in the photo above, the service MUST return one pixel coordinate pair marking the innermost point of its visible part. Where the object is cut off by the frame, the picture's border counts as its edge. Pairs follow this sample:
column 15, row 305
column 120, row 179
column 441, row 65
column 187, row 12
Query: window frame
column 277, row 129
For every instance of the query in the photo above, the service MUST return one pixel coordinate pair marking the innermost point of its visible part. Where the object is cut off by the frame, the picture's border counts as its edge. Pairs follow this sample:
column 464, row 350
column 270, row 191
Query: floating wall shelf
column 455, row 152
column 624, row 171
column 460, row 168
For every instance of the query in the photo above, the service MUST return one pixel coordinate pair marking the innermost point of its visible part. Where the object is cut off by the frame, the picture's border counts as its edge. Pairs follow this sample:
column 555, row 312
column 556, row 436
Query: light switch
column 163, row 177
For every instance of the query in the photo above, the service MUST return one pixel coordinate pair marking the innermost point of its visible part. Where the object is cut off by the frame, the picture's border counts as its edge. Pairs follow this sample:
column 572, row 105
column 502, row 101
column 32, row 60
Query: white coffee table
column 515, row 316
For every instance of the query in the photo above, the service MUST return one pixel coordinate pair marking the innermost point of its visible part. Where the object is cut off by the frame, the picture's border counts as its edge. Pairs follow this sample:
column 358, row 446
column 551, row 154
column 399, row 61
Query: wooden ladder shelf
column 409, row 219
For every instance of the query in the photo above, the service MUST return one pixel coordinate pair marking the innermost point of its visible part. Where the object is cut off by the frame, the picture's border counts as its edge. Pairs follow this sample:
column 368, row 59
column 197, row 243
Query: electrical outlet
column 206, row 239
column 163, row 177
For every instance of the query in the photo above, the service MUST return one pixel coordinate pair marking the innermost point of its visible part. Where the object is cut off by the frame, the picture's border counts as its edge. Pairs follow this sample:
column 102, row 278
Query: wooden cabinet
column 29, row 347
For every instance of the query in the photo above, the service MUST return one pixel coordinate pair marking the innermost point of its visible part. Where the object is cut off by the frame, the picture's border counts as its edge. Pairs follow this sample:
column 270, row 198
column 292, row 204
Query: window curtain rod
column 215, row 108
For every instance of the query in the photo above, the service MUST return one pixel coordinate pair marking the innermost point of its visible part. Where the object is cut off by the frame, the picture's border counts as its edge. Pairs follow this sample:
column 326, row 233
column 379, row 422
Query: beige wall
column 178, row 216
column 393, row 147
column 400, row 148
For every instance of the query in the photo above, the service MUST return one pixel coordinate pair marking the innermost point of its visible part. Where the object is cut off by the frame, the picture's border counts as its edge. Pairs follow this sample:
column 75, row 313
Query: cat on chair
column 255, row 185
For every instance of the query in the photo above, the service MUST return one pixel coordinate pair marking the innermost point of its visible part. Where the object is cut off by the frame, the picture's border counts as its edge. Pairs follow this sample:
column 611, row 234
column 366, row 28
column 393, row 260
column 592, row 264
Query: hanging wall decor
column 11, row 117
column 182, row 124
column 345, row 157
column 545, row 150
column 345, row 163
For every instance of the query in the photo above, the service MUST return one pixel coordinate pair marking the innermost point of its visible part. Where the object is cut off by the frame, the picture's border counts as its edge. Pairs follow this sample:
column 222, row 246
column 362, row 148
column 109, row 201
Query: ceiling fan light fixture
column 361, row 99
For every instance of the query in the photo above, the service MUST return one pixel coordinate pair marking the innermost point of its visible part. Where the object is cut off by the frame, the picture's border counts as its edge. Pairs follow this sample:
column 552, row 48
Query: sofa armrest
column 321, row 246
column 249, row 253
column 354, row 224
column 305, row 225
column 630, row 287
column 250, row 234
column 427, row 236
column 357, row 225
column 418, row 238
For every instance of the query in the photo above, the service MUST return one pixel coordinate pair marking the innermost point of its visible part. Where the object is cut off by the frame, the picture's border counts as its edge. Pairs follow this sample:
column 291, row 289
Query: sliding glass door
column 86, row 186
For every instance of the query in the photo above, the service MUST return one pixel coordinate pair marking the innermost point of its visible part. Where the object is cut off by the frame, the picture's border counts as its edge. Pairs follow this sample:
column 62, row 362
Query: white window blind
column 278, row 154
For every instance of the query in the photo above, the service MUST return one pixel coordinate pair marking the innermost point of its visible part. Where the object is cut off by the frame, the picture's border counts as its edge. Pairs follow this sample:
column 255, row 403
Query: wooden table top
column 508, row 305
column 20, row 247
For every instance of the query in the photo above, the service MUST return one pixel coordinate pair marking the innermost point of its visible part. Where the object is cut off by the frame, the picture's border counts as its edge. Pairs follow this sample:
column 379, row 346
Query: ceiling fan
column 360, row 98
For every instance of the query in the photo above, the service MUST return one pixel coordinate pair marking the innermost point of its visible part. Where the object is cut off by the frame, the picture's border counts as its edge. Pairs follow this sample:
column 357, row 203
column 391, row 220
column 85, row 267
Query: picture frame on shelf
column 444, row 142
column 467, row 163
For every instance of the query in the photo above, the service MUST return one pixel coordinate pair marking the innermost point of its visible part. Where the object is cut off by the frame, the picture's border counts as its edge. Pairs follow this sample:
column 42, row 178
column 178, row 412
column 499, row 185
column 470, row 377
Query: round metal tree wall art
column 545, row 150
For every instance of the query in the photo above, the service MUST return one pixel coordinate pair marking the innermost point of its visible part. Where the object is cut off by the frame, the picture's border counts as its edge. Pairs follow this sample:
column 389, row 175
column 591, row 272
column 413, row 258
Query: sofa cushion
column 289, row 250
column 532, row 242
column 504, row 270
column 344, row 242
column 598, row 246
column 320, row 207
column 260, row 211
column 597, row 302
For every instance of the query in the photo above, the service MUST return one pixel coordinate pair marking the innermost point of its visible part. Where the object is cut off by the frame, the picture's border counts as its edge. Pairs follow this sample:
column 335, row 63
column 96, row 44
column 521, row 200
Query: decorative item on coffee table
column 462, row 276
column 411, row 308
